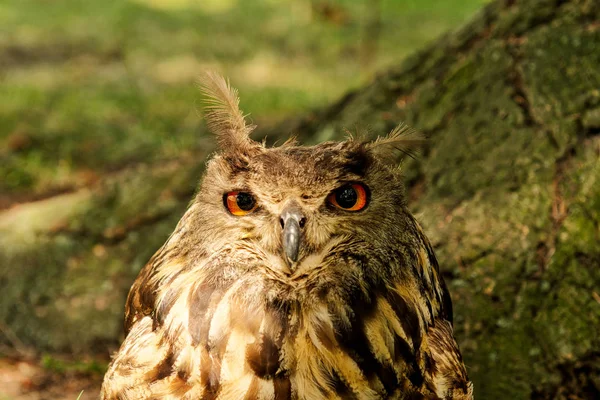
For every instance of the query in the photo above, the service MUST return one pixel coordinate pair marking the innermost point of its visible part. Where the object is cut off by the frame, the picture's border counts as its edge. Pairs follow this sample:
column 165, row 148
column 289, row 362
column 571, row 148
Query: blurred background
column 90, row 86
column 98, row 93
column 102, row 146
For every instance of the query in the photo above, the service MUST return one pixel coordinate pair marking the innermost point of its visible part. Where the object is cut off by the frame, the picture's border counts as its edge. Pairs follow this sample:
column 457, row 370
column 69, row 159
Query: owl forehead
column 310, row 171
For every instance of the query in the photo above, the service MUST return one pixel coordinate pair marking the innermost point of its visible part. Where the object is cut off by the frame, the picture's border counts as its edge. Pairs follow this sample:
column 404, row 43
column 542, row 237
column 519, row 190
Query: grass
column 61, row 366
column 90, row 86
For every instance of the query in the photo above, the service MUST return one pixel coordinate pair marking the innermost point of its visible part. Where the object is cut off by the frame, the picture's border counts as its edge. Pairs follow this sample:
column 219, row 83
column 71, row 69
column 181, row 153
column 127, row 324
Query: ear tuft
column 223, row 115
column 402, row 138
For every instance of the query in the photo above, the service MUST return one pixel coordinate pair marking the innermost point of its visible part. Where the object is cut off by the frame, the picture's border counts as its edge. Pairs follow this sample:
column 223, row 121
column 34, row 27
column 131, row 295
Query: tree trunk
column 508, row 189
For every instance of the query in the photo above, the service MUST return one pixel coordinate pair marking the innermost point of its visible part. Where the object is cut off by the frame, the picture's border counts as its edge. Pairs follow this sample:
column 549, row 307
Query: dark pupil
column 346, row 197
column 245, row 201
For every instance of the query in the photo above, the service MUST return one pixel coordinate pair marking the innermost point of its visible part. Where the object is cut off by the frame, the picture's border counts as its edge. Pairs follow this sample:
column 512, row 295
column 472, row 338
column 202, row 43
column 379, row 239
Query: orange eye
column 239, row 203
column 350, row 197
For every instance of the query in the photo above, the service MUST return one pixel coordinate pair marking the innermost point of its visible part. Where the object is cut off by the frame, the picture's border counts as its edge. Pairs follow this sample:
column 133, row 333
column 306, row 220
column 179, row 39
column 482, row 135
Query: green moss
column 68, row 289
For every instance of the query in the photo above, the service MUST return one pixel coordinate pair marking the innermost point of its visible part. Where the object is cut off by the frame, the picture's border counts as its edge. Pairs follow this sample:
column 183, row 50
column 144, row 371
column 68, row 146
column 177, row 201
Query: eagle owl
column 296, row 273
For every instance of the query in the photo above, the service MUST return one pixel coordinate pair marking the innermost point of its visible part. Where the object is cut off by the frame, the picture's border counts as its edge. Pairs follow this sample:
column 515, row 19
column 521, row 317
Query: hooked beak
column 292, row 221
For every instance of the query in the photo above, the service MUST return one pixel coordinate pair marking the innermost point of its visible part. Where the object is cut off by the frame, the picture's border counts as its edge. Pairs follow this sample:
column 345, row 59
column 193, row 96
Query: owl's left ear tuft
column 402, row 138
column 224, row 117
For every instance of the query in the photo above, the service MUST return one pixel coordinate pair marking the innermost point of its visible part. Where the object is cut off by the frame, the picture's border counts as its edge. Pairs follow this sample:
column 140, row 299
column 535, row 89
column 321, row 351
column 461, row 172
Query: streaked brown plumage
column 291, row 295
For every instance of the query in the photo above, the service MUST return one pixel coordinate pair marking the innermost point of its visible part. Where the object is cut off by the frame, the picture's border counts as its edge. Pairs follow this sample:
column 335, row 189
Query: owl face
column 294, row 205
column 286, row 214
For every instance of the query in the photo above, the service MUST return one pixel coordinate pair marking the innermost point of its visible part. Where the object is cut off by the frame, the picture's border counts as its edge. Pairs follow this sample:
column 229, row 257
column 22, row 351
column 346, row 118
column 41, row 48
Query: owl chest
column 296, row 357
column 254, row 345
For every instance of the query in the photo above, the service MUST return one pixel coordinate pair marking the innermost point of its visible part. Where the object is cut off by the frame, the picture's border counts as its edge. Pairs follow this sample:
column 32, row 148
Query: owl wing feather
column 141, row 298
column 448, row 374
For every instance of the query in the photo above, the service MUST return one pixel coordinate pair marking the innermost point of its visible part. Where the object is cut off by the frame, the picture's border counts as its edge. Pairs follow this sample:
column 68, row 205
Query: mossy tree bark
column 508, row 189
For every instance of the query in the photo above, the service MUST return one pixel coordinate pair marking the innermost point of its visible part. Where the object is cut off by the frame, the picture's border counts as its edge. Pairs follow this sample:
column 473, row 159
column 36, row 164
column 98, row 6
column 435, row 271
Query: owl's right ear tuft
column 224, row 117
column 402, row 138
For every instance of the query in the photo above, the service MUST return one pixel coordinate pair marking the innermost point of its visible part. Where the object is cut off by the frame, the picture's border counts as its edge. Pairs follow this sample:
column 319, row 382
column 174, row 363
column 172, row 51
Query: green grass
column 90, row 86
column 60, row 366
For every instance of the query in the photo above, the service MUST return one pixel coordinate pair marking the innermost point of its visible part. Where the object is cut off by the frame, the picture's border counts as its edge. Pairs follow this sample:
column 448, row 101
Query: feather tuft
column 223, row 115
column 402, row 138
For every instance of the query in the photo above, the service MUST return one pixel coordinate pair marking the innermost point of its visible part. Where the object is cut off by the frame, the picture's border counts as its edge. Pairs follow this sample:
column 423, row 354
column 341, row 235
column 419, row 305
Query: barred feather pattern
column 220, row 332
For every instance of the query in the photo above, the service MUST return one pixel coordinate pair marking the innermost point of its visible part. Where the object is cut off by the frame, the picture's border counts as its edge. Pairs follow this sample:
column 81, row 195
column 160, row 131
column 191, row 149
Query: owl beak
column 292, row 221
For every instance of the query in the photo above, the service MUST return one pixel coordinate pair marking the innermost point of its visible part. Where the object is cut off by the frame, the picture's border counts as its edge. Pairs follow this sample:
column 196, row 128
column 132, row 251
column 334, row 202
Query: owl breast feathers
column 296, row 273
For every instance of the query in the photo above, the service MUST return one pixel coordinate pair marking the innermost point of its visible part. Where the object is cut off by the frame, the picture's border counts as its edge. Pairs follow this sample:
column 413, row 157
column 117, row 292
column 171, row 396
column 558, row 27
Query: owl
column 296, row 273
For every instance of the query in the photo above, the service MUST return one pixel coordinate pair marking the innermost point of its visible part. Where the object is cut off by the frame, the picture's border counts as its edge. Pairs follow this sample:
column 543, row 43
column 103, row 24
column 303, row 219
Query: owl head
column 293, row 205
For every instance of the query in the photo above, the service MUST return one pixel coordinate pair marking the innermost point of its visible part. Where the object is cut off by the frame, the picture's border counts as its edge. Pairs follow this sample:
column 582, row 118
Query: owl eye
column 350, row 197
column 239, row 203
